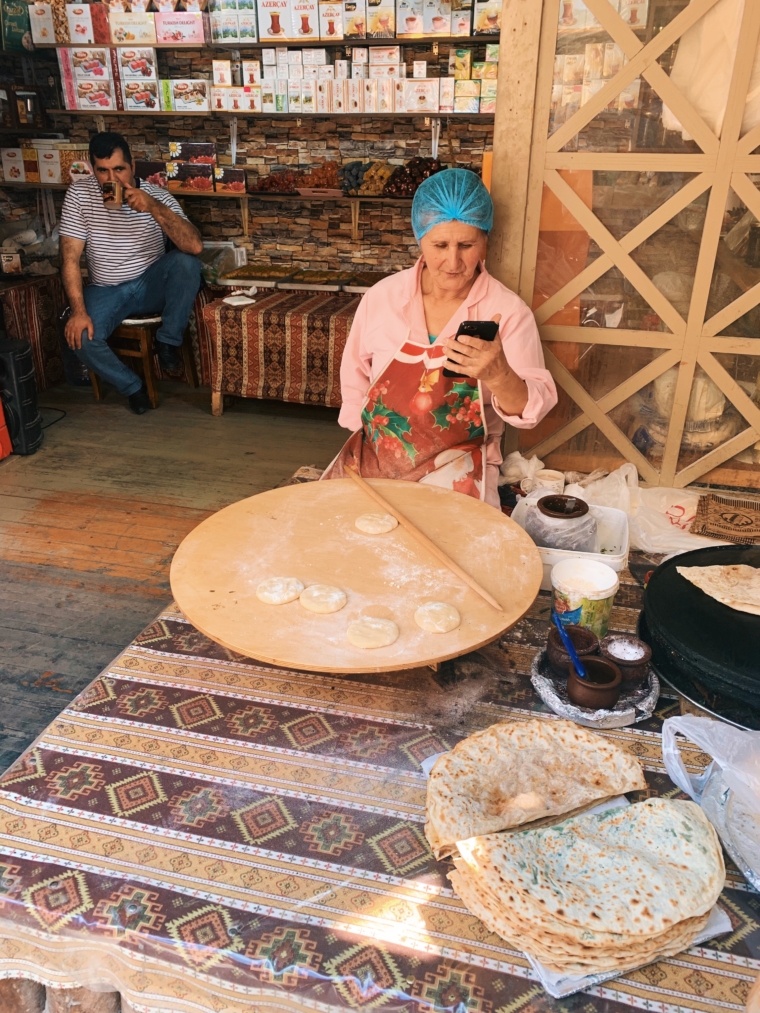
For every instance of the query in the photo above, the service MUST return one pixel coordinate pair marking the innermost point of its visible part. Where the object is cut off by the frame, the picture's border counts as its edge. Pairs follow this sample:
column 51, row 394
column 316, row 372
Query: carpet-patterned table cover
column 202, row 832
column 31, row 307
column 286, row 346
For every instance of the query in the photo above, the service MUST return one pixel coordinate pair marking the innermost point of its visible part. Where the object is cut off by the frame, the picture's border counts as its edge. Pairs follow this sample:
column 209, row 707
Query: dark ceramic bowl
column 584, row 641
column 600, row 690
column 632, row 669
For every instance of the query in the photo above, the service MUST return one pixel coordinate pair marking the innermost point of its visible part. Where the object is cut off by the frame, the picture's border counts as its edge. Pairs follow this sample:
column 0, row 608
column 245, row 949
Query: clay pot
column 584, row 641
column 600, row 690
column 631, row 669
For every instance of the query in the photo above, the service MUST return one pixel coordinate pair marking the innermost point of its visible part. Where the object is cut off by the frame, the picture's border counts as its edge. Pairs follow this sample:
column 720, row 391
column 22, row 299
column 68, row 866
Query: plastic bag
column 735, row 751
column 515, row 468
column 577, row 534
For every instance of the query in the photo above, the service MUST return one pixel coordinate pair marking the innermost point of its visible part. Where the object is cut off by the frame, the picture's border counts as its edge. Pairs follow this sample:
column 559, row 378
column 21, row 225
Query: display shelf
column 485, row 117
column 293, row 43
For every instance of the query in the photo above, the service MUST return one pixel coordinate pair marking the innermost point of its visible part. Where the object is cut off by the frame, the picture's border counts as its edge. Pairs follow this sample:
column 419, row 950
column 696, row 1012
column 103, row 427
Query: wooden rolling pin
column 415, row 532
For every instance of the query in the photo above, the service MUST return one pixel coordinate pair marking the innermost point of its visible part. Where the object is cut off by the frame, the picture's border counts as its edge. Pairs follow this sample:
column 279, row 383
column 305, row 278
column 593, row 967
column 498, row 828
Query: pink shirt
column 393, row 308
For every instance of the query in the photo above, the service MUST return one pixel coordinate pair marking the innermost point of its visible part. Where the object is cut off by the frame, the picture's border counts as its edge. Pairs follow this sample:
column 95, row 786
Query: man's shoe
column 169, row 357
column 139, row 402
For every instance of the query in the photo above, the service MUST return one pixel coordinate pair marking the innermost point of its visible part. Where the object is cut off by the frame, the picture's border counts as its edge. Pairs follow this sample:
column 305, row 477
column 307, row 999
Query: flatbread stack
column 598, row 892
column 519, row 772
column 737, row 586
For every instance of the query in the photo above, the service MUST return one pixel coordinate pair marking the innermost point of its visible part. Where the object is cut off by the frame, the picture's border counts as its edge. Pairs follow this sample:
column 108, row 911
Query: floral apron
column 419, row 425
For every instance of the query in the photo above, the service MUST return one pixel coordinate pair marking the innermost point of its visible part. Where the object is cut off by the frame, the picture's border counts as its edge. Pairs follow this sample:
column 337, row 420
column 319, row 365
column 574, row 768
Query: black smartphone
column 486, row 330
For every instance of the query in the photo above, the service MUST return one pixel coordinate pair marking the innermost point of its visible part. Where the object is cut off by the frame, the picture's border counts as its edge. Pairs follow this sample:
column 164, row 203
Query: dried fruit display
column 375, row 179
column 407, row 178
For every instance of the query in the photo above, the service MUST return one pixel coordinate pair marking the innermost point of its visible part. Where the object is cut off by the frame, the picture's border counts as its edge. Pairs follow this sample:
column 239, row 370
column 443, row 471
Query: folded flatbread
column 736, row 586
column 517, row 772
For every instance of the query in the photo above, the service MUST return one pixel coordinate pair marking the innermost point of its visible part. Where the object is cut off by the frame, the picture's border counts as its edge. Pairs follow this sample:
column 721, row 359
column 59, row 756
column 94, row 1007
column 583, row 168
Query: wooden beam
column 604, row 239
column 513, row 129
column 610, row 336
column 733, row 391
column 715, row 458
column 635, row 161
column 739, row 346
column 635, row 67
column 749, row 142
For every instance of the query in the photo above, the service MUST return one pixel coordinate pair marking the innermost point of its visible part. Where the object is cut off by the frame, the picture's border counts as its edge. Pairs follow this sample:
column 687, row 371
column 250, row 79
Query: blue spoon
column 565, row 638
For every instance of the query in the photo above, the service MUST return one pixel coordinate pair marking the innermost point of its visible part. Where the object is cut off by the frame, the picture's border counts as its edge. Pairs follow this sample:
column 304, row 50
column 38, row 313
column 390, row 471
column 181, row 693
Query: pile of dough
column 376, row 524
column 437, row 617
column 323, row 598
column 370, row 632
column 279, row 590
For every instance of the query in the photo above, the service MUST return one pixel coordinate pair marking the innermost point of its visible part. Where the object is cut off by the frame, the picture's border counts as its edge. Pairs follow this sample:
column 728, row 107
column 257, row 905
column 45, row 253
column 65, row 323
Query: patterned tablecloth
column 206, row 833
column 286, row 346
column 31, row 307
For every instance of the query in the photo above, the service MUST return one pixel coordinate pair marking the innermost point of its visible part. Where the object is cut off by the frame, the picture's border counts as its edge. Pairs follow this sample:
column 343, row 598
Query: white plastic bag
column 735, row 751
column 515, row 468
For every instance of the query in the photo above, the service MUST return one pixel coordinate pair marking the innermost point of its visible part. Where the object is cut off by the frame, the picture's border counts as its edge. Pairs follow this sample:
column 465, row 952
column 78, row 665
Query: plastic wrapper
column 576, row 534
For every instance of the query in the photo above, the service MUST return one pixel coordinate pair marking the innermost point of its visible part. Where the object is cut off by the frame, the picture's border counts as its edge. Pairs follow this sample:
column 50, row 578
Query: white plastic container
column 612, row 529
column 583, row 592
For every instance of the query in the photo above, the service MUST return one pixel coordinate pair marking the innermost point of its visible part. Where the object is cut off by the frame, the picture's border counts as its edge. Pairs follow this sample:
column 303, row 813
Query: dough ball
column 376, row 524
column 437, row 617
column 322, row 598
column 370, row 632
column 279, row 590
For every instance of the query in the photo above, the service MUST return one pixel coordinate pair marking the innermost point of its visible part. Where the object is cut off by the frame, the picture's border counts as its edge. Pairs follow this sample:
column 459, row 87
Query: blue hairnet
column 454, row 195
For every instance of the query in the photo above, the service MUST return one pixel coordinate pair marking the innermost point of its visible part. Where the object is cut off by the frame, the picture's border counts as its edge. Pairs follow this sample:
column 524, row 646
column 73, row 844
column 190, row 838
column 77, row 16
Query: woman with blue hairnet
column 409, row 420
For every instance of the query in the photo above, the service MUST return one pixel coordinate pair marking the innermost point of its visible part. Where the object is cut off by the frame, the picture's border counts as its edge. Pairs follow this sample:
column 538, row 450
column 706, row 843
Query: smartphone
column 486, row 330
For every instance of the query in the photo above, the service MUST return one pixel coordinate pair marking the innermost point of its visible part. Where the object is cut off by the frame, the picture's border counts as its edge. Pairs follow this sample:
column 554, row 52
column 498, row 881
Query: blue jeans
column 168, row 288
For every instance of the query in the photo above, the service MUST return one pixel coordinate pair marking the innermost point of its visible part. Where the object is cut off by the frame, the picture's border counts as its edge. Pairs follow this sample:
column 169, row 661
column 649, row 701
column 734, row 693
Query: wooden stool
column 134, row 339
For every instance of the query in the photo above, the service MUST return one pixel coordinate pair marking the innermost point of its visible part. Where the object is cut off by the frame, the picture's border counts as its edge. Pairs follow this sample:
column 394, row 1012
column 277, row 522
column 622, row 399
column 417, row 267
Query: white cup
column 545, row 479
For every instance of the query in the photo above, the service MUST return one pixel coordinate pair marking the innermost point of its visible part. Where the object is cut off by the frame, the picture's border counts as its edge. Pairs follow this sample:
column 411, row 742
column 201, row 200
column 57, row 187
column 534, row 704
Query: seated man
column 130, row 271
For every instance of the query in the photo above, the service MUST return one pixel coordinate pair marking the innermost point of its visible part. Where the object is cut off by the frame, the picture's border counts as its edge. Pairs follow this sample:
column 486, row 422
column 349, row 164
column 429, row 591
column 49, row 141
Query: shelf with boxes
column 250, row 21
column 302, row 81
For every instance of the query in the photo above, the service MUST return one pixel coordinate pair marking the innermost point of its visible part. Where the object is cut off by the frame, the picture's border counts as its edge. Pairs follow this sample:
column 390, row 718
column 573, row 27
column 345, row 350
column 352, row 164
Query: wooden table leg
column 81, row 1000
column 18, row 995
column 217, row 403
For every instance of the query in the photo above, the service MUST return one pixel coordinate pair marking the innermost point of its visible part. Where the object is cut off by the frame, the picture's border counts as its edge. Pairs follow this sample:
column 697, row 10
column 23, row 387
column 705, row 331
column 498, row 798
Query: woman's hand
column 486, row 361
column 478, row 359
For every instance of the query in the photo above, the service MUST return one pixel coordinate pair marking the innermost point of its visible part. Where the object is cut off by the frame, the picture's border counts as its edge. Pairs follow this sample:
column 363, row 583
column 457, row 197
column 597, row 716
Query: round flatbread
column 437, row 617
column 376, row 524
column 279, row 590
column 323, row 598
column 369, row 632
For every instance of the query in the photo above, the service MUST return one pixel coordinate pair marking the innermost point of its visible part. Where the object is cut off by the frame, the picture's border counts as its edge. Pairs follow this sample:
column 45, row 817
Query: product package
column 381, row 19
column 486, row 17
column 385, row 93
column 198, row 152
column 385, row 54
column 222, row 71
column 436, row 17
column 325, row 73
column 324, row 96
column 91, row 64
column 342, row 69
column 399, row 95
column 634, row 12
column 80, row 24
column 339, row 95
column 355, row 96
column 614, row 60
column 140, row 96
column 488, row 96
column 137, row 64
column 268, row 57
column 294, row 96
column 281, row 95
column 189, row 176
column 304, row 19
column 409, row 20
column 492, row 52
column 379, row 71
column 274, row 19
column 151, row 172
column 359, row 71
column 248, row 26
column 228, row 26
column 180, row 28
column 308, row 96
column 101, row 26
column 215, row 24
column 93, row 97
column 190, row 95
column 330, row 19
column 251, row 72
column 466, row 96
column 132, row 28
column 229, row 180
column 74, row 162
column 268, row 104
column 13, row 165
column 421, row 96
column 419, row 69
column 461, row 17
column 42, row 24
column 218, row 95
column 354, row 19
column 314, row 57
column 66, row 67
column 446, row 95
column 49, row 160
column 370, row 96
column 462, row 64
column 295, row 72
column 234, row 99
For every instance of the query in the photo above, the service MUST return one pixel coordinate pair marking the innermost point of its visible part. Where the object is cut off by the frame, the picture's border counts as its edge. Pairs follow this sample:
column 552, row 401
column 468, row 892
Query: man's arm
column 182, row 233
column 71, row 251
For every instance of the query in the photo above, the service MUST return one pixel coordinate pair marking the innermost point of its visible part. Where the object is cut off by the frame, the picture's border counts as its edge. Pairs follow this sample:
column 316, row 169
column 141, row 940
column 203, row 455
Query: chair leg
column 188, row 361
column 217, row 403
column 97, row 388
column 146, row 348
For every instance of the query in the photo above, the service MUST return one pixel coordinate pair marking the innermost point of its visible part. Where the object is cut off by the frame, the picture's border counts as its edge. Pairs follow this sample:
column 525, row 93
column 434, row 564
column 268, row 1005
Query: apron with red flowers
column 419, row 425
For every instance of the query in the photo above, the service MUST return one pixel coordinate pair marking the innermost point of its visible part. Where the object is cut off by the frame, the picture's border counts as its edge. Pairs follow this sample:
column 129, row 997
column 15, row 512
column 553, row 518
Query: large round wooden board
column 307, row 531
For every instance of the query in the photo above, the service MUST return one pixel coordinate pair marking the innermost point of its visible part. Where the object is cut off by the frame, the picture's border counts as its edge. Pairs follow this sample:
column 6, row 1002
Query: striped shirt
column 120, row 243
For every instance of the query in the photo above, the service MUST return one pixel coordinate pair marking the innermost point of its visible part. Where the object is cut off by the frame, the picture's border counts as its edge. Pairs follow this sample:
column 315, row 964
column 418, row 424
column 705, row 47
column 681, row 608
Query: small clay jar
column 635, row 666
column 601, row 690
column 584, row 641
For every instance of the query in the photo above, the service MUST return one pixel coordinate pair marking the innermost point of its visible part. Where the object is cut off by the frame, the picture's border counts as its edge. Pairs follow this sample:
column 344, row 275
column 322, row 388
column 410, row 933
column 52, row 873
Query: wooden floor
column 89, row 524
